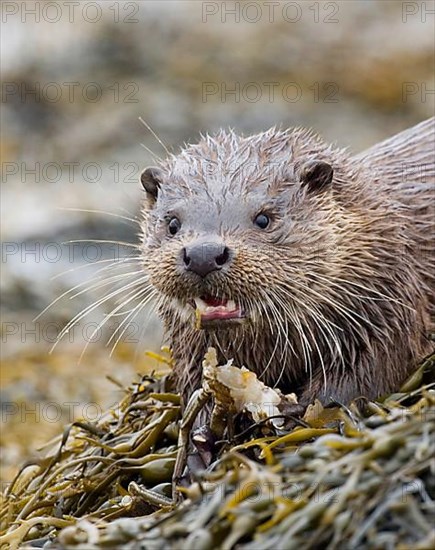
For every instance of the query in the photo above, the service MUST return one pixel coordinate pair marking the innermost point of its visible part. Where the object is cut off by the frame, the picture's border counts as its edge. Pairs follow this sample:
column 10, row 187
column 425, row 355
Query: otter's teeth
column 203, row 307
column 231, row 305
column 200, row 305
column 215, row 310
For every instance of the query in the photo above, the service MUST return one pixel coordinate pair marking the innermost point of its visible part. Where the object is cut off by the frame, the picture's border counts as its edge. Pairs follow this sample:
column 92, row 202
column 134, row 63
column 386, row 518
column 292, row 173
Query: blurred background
column 76, row 77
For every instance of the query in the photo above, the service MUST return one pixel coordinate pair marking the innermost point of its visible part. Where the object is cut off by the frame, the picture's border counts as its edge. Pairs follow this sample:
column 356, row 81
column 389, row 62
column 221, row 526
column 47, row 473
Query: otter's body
column 310, row 266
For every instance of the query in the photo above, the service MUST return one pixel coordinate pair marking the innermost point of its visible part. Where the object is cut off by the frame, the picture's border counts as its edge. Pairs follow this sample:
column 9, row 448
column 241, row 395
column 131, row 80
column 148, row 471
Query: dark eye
column 174, row 226
column 262, row 221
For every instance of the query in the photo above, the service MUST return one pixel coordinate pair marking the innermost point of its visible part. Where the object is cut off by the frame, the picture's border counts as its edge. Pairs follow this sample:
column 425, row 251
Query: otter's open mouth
column 211, row 311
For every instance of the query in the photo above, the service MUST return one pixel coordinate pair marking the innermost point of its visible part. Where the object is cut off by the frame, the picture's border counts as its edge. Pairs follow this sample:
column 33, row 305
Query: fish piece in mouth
column 211, row 310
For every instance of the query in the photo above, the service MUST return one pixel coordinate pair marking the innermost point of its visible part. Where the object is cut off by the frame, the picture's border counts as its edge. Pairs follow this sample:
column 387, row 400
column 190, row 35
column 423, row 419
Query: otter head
column 233, row 226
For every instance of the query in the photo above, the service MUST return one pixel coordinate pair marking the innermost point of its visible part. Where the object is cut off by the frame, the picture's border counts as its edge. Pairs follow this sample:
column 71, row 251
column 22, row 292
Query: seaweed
column 342, row 477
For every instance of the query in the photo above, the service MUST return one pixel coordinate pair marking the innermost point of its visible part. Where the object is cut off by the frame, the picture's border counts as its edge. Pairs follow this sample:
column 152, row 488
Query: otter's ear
column 151, row 178
column 316, row 175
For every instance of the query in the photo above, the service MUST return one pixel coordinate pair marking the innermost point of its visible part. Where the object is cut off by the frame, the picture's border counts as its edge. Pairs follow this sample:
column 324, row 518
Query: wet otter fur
column 327, row 258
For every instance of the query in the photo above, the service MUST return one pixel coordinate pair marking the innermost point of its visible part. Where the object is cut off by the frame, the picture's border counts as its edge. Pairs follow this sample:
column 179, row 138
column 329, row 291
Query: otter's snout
column 203, row 258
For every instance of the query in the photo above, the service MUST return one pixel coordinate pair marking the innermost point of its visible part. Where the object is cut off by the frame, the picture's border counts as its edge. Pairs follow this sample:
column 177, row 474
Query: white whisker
column 93, row 211
column 77, row 318
column 148, row 127
column 119, row 261
column 130, row 296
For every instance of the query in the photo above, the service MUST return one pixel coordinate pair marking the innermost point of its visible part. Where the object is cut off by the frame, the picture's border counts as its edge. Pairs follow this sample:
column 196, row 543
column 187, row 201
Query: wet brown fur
column 339, row 289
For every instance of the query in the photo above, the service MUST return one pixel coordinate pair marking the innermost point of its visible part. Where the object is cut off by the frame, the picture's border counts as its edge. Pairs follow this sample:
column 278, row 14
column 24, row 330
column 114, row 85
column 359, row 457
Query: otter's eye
column 174, row 226
column 262, row 221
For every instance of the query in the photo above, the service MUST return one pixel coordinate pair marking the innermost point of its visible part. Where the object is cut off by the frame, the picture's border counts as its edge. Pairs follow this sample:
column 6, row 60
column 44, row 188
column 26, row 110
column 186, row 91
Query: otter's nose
column 204, row 258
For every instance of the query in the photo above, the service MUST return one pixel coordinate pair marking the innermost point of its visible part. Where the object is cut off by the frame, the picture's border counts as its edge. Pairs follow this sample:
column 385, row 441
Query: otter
column 309, row 265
